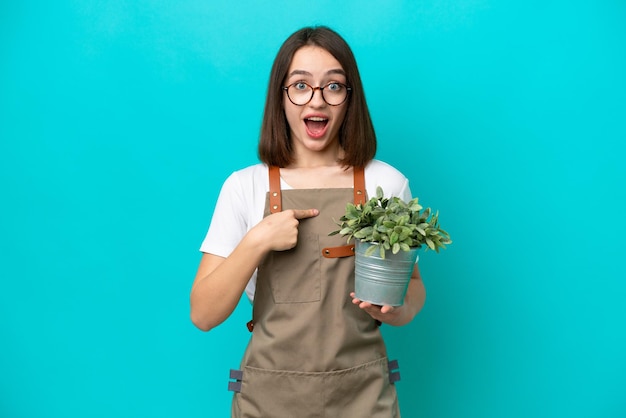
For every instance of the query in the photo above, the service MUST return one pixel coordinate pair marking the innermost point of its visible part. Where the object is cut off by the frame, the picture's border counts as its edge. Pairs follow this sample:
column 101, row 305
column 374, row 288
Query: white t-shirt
column 241, row 204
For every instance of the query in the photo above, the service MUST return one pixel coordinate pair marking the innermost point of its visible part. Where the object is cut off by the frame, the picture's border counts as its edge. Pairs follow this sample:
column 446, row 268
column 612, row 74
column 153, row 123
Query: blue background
column 119, row 121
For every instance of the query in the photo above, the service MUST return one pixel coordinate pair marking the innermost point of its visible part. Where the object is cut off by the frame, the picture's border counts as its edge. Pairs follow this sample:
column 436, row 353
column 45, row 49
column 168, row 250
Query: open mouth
column 316, row 126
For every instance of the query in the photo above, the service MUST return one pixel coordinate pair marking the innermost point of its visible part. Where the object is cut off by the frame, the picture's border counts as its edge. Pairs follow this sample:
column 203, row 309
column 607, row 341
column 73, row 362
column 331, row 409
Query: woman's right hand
column 279, row 231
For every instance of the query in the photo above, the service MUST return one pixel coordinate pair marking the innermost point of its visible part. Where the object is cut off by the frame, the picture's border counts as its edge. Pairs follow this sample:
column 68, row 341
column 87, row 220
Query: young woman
column 315, row 350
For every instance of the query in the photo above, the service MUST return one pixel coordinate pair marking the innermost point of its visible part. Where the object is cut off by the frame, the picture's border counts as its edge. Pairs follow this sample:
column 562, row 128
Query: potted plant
column 388, row 233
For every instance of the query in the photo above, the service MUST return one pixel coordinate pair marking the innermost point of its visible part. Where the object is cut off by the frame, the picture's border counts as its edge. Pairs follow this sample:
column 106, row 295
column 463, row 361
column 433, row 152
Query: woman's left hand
column 398, row 315
column 385, row 314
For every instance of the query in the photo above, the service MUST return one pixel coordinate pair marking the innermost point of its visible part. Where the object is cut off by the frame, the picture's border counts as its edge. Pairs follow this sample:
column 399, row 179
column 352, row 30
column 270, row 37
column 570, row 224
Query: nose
column 318, row 99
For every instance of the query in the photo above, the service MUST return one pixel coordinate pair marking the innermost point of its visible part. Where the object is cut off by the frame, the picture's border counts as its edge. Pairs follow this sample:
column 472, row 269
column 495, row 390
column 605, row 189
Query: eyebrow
column 329, row 72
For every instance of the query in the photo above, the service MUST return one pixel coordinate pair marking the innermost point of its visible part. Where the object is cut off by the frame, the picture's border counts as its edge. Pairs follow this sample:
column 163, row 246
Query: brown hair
column 356, row 135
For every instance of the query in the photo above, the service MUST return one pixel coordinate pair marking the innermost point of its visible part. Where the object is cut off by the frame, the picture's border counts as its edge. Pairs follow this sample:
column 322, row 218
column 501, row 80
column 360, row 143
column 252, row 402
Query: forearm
column 220, row 282
column 413, row 303
column 219, row 285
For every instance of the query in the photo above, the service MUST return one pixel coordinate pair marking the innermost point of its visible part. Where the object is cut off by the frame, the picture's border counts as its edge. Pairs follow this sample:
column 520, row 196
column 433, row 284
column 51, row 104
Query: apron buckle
column 236, row 385
column 394, row 372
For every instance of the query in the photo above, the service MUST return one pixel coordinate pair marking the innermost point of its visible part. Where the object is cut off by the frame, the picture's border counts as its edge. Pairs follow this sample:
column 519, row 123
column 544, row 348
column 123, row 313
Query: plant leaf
column 363, row 233
column 370, row 250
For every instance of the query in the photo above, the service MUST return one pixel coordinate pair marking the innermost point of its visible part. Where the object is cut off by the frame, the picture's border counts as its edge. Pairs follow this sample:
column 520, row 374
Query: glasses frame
column 321, row 89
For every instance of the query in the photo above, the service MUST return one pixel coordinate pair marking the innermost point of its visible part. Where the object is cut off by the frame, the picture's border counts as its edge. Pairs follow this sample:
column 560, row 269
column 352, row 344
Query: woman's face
column 315, row 126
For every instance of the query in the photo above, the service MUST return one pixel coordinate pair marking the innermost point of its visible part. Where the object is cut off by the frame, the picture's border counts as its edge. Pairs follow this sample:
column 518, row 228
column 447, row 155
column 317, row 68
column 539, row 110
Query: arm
column 220, row 281
column 400, row 315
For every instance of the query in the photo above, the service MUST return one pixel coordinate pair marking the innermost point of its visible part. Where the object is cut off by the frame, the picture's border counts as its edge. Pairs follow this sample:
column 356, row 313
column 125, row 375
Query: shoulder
column 381, row 168
column 247, row 189
column 251, row 173
column 390, row 179
column 251, row 177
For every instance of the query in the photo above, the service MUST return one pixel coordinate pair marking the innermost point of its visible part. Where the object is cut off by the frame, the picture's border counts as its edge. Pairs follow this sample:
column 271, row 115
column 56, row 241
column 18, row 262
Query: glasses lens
column 300, row 93
column 335, row 93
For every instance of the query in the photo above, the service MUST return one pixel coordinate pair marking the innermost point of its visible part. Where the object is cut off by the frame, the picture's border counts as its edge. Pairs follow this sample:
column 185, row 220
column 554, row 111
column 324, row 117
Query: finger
column 366, row 305
column 355, row 300
column 305, row 213
column 387, row 309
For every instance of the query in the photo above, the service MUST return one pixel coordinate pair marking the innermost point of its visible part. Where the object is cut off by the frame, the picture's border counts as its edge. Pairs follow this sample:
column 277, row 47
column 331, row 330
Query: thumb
column 305, row 213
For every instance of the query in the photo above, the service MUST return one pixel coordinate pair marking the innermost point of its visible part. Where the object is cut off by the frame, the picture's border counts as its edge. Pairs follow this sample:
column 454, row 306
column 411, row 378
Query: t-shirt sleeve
column 228, row 224
column 405, row 191
column 392, row 181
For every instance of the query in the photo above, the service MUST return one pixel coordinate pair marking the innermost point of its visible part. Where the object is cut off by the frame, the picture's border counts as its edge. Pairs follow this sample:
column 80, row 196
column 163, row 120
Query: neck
column 313, row 159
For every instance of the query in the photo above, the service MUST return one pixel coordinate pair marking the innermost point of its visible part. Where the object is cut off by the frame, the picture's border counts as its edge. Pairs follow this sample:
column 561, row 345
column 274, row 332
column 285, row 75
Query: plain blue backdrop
column 119, row 121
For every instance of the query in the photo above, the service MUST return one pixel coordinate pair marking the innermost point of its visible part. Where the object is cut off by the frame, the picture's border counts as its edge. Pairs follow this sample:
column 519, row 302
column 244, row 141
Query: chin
column 317, row 144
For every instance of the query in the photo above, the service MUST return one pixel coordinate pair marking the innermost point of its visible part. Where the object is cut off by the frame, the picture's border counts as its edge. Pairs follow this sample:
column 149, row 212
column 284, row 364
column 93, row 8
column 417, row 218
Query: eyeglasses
column 300, row 93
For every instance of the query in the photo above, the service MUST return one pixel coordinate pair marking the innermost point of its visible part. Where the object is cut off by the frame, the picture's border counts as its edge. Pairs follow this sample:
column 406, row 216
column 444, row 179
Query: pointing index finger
column 305, row 213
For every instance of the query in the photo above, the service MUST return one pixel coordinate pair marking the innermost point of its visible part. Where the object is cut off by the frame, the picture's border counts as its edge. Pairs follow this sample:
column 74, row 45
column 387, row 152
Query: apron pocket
column 363, row 391
column 294, row 276
column 279, row 394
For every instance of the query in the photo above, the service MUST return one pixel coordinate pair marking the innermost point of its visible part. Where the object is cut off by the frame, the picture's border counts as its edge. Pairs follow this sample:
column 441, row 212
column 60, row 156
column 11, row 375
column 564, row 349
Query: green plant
column 392, row 224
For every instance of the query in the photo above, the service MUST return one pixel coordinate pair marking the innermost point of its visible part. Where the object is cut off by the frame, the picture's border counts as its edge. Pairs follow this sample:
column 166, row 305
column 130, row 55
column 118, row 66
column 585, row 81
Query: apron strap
column 359, row 185
column 276, row 201
column 336, row 252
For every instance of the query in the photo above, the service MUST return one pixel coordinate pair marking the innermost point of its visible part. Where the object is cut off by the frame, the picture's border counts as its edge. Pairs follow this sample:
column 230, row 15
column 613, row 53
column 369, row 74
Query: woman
column 315, row 349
